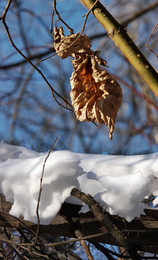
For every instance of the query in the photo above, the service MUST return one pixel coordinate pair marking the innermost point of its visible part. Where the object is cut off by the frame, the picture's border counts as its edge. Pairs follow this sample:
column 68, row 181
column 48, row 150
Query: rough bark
column 142, row 232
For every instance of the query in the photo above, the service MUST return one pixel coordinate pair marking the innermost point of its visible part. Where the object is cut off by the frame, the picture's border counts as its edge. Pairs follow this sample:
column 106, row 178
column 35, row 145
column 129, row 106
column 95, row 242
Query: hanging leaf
column 66, row 46
column 95, row 94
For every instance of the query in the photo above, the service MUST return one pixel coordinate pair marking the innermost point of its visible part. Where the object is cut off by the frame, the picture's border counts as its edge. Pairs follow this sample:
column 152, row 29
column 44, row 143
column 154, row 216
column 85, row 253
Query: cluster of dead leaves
column 95, row 94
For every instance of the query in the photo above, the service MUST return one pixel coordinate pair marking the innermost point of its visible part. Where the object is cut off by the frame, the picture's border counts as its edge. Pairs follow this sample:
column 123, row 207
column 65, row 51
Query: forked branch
column 66, row 105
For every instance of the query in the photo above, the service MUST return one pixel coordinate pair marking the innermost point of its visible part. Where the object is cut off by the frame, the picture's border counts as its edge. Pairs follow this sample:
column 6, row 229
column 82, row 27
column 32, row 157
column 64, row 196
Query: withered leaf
column 65, row 46
column 95, row 94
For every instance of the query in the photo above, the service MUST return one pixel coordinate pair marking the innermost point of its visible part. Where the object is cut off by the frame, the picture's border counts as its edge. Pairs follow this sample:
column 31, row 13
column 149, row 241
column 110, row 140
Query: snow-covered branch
column 118, row 183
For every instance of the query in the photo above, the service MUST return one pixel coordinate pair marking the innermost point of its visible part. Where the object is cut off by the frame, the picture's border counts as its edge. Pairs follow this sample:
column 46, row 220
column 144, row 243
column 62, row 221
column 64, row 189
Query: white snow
column 118, row 183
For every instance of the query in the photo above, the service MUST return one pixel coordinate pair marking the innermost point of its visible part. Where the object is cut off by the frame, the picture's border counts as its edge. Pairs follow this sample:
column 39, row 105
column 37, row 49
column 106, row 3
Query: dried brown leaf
column 95, row 94
column 67, row 45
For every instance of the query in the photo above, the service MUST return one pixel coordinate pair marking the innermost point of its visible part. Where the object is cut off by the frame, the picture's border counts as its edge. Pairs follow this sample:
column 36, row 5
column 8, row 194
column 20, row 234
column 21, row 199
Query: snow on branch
column 118, row 183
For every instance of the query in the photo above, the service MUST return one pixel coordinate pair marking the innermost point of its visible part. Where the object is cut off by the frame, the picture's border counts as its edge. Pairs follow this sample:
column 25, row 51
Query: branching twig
column 5, row 11
column 71, row 31
column 86, row 17
column 79, row 35
column 38, row 70
column 137, row 15
column 149, row 40
column 59, row 17
column 82, row 30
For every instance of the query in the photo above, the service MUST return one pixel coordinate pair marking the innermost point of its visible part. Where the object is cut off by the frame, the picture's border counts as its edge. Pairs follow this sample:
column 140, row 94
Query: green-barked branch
column 121, row 39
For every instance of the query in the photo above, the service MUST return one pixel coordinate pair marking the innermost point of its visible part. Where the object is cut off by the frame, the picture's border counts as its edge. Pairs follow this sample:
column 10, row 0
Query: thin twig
column 53, row 91
column 51, row 26
column 5, row 11
column 149, row 40
column 81, row 32
column 40, row 190
column 95, row 36
column 39, row 71
column 76, row 239
column 59, row 17
column 86, row 16
column 47, row 58
column 53, row 244
column 20, row 254
column 84, row 245
column 51, row 30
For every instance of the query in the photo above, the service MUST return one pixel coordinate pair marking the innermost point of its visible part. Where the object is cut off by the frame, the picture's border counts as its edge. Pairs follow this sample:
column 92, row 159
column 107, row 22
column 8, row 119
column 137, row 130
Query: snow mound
column 118, row 183
column 15, row 152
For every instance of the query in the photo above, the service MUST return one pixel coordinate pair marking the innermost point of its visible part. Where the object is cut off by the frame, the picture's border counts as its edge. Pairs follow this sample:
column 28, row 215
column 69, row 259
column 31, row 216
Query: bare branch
column 5, row 11
column 59, row 17
column 106, row 222
column 38, row 70
column 84, row 245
